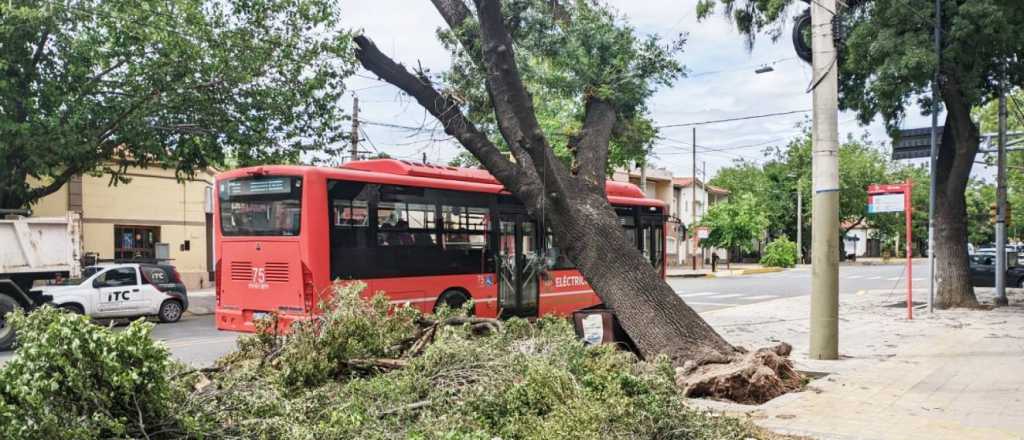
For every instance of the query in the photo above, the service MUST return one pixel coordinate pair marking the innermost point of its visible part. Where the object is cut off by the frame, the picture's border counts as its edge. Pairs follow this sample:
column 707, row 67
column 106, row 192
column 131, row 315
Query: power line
column 740, row 118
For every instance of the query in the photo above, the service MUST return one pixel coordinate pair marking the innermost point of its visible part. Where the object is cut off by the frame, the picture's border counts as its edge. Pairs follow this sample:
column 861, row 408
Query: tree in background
column 886, row 66
column 582, row 52
column 980, row 228
column 92, row 86
column 735, row 224
column 988, row 115
column 773, row 184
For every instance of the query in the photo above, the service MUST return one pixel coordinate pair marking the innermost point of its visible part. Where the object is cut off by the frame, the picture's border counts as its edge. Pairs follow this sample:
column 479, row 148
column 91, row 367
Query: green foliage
column 72, row 379
column 773, row 184
column 980, row 197
column 581, row 50
column 350, row 329
column 526, row 381
column 96, row 86
column 888, row 56
column 779, row 253
column 737, row 222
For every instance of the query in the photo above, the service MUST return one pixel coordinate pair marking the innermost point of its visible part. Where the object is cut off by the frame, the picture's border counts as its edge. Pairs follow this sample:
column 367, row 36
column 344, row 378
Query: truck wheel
column 72, row 308
column 170, row 311
column 7, row 305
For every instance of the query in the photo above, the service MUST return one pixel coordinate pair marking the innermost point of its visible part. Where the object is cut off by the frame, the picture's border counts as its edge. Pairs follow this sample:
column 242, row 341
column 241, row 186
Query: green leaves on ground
column 94, row 86
column 71, row 379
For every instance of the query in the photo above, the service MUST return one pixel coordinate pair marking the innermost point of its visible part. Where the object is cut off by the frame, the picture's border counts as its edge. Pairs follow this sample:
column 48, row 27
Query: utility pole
column 1001, row 202
column 355, row 128
column 693, row 200
column 799, row 224
column 934, row 157
column 825, row 207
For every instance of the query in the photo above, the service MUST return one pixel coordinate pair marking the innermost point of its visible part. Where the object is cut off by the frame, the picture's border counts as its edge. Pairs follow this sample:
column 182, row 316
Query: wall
column 153, row 197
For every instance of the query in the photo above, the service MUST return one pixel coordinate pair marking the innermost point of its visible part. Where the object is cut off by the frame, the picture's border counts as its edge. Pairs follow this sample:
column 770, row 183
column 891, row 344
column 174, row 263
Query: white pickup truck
column 32, row 249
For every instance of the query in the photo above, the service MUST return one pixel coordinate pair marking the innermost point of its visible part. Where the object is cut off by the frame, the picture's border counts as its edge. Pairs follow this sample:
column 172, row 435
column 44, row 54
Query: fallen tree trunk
column 572, row 204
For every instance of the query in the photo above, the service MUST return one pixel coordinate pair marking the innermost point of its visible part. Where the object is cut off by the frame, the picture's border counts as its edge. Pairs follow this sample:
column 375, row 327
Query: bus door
column 518, row 265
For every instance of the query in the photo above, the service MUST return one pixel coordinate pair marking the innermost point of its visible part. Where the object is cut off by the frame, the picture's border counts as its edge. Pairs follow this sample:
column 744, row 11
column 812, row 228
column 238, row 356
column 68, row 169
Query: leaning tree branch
column 513, row 105
column 446, row 110
column 455, row 13
column 592, row 144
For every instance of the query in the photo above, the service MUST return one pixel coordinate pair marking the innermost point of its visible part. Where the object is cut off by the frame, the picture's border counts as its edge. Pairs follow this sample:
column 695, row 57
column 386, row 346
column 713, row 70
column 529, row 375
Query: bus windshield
column 263, row 206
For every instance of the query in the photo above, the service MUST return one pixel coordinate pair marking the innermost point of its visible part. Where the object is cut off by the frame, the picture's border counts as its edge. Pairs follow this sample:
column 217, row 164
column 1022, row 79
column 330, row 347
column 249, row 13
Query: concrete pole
column 693, row 200
column 355, row 128
column 934, row 158
column 1001, row 203
column 799, row 224
column 825, row 203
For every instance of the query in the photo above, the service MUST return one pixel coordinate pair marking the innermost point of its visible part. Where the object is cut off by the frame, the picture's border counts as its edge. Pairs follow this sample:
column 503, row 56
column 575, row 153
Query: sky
column 721, row 84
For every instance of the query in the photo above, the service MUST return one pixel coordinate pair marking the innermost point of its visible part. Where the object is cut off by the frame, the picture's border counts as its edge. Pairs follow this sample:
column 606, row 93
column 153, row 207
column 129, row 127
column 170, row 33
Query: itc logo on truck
column 259, row 279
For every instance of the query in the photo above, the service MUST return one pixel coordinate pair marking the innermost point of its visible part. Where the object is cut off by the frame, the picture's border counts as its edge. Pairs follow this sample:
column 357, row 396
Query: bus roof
column 400, row 172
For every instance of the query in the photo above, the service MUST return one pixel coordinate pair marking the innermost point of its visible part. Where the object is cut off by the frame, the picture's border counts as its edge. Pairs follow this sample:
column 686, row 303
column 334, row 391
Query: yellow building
column 130, row 219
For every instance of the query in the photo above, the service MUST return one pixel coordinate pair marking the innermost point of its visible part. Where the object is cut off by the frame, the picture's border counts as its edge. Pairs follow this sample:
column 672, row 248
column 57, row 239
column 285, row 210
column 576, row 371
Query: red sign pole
column 907, row 207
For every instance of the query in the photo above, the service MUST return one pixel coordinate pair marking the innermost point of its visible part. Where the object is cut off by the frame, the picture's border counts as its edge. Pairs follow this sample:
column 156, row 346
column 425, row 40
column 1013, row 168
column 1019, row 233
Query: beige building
column 134, row 219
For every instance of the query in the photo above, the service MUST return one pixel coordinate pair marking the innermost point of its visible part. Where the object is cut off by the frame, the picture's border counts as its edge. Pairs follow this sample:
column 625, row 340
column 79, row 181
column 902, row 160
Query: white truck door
column 118, row 292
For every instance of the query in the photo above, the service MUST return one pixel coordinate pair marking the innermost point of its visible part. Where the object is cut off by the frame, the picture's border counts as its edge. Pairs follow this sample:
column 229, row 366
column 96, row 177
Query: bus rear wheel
column 454, row 299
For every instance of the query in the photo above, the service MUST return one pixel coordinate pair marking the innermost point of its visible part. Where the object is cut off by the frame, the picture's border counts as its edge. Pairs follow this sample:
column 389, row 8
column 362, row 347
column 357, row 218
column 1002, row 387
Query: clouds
column 721, row 84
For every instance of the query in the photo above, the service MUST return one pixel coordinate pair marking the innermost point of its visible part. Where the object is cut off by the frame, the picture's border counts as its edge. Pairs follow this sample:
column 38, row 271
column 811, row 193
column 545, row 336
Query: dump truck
column 34, row 249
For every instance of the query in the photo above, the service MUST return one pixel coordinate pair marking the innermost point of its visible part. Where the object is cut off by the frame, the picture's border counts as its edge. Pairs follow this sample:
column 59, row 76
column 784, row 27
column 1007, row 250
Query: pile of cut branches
column 365, row 369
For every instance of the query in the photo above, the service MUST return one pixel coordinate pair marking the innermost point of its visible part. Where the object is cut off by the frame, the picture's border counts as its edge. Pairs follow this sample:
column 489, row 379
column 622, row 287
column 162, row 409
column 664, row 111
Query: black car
column 983, row 272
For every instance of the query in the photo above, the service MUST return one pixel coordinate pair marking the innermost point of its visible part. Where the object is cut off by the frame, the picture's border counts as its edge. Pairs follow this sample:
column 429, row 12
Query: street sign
column 914, row 143
column 703, row 232
column 885, row 203
column 897, row 198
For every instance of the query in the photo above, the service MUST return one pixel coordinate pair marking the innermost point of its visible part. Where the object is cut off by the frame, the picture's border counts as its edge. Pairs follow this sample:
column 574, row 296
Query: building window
column 135, row 241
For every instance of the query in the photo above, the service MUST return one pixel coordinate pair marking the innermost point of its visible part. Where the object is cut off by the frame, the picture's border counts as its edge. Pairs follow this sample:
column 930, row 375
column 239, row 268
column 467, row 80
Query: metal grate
column 241, row 270
column 277, row 272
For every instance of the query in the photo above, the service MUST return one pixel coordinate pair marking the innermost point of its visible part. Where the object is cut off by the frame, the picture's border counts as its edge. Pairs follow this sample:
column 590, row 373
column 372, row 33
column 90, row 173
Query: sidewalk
column 723, row 270
column 955, row 374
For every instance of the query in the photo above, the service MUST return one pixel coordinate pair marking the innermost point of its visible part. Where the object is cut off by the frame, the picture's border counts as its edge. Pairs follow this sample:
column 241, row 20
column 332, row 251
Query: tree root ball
column 751, row 378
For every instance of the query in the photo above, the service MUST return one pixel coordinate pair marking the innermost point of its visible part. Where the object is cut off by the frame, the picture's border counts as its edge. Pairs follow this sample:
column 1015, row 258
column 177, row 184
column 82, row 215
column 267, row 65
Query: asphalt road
column 705, row 294
column 195, row 341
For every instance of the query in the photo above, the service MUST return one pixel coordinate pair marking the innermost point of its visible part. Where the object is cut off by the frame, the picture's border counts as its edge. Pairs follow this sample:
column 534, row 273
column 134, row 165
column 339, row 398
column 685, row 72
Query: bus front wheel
column 454, row 299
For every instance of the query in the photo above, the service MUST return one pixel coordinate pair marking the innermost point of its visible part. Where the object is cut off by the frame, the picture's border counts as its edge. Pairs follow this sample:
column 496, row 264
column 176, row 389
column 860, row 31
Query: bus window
column 406, row 224
column 264, row 206
column 561, row 260
column 465, row 227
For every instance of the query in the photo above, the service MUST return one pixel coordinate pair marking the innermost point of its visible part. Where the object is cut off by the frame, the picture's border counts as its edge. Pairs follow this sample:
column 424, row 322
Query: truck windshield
column 264, row 206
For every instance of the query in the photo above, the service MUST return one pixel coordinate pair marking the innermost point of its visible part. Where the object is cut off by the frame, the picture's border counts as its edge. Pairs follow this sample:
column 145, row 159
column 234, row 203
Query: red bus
column 422, row 234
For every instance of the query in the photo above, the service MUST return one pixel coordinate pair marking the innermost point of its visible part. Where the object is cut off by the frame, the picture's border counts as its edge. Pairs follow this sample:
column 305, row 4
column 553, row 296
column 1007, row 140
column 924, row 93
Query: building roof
column 684, row 182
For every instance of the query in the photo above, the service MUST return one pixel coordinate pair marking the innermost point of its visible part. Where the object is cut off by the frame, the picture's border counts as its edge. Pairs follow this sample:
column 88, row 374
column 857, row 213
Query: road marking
column 853, row 277
column 918, row 278
column 730, row 295
column 873, row 278
column 696, row 294
column 699, row 303
column 759, row 297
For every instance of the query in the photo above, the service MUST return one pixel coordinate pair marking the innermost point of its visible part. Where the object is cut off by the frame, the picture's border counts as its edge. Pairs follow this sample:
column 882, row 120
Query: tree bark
column 959, row 146
column 574, row 207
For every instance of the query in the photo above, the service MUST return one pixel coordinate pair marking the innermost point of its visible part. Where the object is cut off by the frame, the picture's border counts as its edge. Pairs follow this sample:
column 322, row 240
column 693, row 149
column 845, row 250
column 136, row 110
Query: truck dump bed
column 32, row 245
